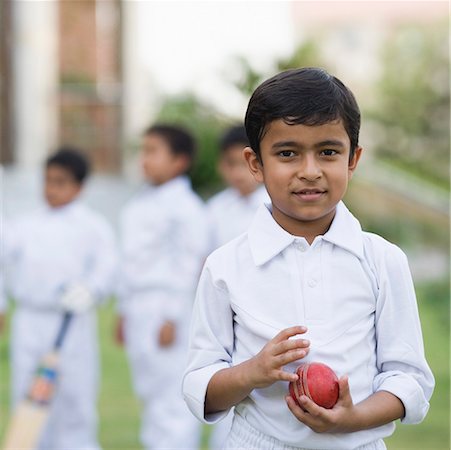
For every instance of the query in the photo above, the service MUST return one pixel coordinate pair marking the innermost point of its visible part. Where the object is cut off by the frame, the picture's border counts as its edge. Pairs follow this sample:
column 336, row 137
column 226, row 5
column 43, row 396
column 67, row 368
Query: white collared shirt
column 231, row 213
column 164, row 237
column 354, row 292
column 51, row 248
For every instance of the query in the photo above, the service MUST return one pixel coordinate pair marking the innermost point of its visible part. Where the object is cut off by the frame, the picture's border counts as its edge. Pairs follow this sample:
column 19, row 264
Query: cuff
column 411, row 395
column 195, row 390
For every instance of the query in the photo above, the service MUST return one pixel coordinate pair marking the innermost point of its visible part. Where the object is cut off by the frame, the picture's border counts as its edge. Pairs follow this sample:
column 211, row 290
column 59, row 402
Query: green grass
column 434, row 432
column 119, row 409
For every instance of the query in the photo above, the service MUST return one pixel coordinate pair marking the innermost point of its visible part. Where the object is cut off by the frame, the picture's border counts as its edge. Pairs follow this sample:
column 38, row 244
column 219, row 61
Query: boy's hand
column 77, row 298
column 339, row 419
column 266, row 367
column 119, row 331
column 167, row 334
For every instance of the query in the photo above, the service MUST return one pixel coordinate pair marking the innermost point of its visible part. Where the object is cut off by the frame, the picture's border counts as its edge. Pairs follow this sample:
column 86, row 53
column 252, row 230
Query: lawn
column 119, row 410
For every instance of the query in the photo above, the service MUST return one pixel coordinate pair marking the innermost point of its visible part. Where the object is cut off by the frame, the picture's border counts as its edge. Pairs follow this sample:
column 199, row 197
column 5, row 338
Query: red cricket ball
column 318, row 382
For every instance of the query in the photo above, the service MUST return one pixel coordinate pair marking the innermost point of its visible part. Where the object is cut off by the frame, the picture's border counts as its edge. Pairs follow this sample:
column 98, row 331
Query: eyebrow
column 326, row 143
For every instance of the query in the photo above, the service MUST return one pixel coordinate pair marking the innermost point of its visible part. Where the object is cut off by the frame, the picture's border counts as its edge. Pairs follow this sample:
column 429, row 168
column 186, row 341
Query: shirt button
column 301, row 246
column 312, row 282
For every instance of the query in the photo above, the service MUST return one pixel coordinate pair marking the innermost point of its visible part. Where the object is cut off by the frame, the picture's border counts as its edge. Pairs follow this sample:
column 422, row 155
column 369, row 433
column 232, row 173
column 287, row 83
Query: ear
column 255, row 166
column 354, row 161
column 182, row 163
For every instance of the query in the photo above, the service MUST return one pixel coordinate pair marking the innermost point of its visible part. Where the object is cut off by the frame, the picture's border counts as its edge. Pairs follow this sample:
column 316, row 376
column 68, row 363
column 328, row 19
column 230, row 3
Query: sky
column 193, row 45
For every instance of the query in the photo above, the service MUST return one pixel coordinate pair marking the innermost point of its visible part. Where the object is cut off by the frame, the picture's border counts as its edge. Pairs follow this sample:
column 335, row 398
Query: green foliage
column 305, row 55
column 412, row 110
column 206, row 125
column 247, row 78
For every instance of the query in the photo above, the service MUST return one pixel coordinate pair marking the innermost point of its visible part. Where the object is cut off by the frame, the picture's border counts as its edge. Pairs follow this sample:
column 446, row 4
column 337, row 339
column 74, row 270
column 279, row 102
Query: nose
column 309, row 168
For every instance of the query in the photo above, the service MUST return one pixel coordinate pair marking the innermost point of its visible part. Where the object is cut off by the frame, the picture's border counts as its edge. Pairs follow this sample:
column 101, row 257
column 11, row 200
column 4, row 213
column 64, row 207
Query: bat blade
column 26, row 426
column 30, row 416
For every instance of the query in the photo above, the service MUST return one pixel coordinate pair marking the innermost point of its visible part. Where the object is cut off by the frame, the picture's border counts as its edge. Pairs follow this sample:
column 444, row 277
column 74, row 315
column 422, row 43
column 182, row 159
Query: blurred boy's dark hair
column 72, row 160
column 307, row 96
column 179, row 140
column 233, row 136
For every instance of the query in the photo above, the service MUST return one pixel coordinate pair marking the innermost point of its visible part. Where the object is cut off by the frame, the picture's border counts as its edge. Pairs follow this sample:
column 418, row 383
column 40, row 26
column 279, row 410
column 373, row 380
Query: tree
column 412, row 111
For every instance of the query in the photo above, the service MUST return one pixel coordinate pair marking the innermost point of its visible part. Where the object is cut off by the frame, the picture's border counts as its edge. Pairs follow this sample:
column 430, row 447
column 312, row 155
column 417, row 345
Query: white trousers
column 220, row 431
column 245, row 437
column 72, row 423
column 166, row 422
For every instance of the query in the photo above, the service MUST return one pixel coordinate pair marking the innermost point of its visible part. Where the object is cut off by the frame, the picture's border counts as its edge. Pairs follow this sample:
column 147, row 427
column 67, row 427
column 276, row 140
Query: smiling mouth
column 309, row 194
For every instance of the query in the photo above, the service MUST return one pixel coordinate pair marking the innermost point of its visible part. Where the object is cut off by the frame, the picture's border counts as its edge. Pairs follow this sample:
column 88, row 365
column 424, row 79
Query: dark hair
column 72, row 160
column 235, row 135
column 308, row 96
column 179, row 140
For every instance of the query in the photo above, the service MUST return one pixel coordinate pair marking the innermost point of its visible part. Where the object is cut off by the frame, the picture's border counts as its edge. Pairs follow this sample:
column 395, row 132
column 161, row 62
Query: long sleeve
column 3, row 297
column 210, row 346
column 8, row 248
column 189, row 246
column 400, row 355
column 102, row 269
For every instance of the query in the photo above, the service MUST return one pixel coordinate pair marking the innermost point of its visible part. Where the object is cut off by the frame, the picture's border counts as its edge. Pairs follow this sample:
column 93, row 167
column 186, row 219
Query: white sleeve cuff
column 407, row 389
column 195, row 390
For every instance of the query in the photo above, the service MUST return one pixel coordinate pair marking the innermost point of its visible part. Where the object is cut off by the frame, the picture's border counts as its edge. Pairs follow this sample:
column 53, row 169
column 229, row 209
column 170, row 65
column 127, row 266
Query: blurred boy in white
column 232, row 209
column 230, row 213
column 61, row 257
column 164, row 243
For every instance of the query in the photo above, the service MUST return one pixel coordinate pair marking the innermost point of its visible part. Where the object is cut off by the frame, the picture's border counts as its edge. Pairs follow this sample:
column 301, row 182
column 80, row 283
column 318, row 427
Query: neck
column 308, row 229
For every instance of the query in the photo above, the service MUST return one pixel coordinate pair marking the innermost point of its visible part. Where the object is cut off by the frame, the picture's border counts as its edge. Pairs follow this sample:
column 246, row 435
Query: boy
column 164, row 243
column 62, row 258
column 232, row 209
column 306, row 284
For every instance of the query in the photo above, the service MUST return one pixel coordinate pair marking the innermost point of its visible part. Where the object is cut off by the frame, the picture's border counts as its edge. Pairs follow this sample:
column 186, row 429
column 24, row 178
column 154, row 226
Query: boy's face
column 60, row 186
column 235, row 171
column 158, row 162
column 306, row 170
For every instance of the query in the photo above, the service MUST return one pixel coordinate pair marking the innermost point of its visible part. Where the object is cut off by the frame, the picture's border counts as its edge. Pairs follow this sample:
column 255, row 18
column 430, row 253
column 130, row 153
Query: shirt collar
column 346, row 232
column 267, row 238
column 64, row 209
column 182, row 182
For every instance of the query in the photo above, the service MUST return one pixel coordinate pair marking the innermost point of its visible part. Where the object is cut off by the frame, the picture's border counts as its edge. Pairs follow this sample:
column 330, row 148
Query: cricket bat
column 30, row 416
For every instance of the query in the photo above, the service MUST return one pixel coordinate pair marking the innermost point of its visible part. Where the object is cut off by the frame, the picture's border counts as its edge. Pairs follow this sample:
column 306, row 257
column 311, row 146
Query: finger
column 344, row 393
column 309, row 406
column 288, row 332
column 290, row 356
column 283, row 375
column 295, row 409
column 290, row 344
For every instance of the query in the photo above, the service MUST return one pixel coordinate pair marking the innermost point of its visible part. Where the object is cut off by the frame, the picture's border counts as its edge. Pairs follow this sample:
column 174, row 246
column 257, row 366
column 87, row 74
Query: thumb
column 344, row 394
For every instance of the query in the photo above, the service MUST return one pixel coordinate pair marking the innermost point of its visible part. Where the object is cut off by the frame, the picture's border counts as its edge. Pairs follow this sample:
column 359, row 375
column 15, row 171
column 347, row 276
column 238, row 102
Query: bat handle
column 63, row 330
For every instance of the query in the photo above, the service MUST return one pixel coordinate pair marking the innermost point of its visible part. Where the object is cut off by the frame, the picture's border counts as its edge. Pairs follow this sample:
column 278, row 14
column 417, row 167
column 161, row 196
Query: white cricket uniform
column 353, row 291
column 164, row 244
column 230, row 214
column 48, row 250
column 4, row 231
